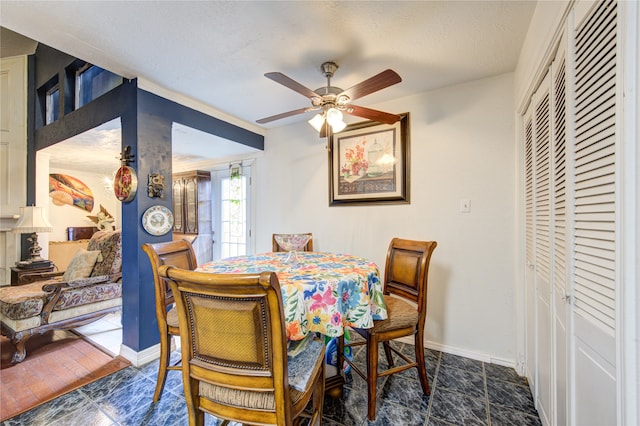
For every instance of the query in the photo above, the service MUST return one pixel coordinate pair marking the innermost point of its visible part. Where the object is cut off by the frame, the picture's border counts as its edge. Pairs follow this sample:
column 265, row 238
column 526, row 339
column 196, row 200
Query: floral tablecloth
column 322, row 292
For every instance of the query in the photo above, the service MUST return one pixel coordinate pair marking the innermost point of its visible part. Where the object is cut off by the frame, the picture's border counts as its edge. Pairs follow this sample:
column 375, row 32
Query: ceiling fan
column 332, row 101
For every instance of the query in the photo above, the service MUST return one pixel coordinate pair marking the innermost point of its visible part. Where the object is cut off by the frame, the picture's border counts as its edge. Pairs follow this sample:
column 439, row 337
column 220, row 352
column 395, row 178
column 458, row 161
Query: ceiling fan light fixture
column 332, row 101
column 338, row 127
column 334, row 116
column 317, row 121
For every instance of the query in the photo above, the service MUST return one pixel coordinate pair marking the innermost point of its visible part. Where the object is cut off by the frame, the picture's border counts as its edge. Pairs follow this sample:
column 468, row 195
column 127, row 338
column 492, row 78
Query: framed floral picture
column 369, row 164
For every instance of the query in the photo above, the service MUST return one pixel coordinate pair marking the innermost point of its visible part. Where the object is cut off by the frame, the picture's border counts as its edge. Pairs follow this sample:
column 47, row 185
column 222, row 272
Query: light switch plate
column 465, row 205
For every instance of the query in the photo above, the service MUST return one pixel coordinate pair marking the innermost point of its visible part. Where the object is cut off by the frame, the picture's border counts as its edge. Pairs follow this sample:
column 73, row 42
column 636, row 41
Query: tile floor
column 463, row 391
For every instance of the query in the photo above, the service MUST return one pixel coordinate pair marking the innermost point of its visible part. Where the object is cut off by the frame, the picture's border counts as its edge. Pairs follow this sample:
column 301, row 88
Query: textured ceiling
column 216, row 52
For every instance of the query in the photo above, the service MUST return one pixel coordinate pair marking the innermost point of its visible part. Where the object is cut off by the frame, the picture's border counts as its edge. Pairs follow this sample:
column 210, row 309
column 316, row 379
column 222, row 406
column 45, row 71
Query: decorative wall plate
column 125, row 184
column 157, row 220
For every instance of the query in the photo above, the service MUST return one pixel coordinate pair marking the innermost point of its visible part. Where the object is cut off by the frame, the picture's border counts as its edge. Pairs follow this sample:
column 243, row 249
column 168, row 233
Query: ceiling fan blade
column 283, row 115
column 278, row 77
column 379, row 81
column 372, row 114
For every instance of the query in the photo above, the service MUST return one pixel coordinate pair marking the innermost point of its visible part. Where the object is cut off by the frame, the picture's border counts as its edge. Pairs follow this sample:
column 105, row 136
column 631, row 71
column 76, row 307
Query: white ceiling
column 216, row 52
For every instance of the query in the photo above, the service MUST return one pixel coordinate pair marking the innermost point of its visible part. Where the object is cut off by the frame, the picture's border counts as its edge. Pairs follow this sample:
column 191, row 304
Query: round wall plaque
column 157, row 220
column 125, row 184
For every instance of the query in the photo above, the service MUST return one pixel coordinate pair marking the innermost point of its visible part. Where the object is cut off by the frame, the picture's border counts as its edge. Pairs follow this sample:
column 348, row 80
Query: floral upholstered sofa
column 89, row 289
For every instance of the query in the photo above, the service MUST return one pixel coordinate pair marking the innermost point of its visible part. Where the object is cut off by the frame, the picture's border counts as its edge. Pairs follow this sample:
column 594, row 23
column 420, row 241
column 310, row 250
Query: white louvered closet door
column 594, row 220
column 560, row 244
column 542, row 219
column 570, row 194
column 530, row 279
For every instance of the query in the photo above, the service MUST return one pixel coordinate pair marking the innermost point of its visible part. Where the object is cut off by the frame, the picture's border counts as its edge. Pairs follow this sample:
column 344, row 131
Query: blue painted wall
column 146, row 127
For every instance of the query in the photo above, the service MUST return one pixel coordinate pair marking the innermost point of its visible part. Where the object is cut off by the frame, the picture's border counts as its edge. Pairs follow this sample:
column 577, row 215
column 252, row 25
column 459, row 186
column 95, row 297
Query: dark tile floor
column 463, row 391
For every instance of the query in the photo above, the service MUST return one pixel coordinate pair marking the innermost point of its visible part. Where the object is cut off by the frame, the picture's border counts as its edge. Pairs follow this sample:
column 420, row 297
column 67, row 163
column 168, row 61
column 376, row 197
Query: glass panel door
column 232, row 212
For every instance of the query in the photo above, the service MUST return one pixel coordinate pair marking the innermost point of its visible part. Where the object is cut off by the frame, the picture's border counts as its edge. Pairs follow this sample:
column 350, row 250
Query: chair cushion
column 81, row 265
column 301, row 366
column 172, row 317
column 400, row 314
column 110, row 245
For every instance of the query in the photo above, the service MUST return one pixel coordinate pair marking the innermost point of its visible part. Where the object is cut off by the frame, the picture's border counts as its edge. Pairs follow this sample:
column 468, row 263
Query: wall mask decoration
column 103, row 220
column 155, row 185
column 65, row 189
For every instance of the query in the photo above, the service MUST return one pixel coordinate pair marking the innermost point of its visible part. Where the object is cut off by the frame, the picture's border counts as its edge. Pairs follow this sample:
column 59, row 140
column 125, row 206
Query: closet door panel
column 560, row 237
column 530, row 290
column 595, row 215
column 543, row 249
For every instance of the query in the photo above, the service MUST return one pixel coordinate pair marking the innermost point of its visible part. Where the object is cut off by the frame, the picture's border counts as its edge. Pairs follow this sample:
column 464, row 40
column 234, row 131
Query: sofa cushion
column 77, row 296
column 81, row 265
column 56, row 316
column 110, row 245
column 89, row 280
column 24, row 301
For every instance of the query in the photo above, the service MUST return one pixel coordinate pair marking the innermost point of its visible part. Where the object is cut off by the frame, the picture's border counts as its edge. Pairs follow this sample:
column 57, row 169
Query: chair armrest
column 53, row 291
column 32, row 277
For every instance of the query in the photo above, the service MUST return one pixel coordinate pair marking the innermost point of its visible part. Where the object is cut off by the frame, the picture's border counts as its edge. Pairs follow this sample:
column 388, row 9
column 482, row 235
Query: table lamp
column 31, row 222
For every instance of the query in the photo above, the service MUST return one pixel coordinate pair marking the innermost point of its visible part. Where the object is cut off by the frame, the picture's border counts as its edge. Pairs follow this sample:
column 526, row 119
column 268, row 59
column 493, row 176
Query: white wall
column 64, row 216
column 462, row 146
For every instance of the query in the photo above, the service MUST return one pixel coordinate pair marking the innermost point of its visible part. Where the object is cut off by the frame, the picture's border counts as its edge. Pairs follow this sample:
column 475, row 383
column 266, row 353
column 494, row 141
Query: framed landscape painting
column 369, row 164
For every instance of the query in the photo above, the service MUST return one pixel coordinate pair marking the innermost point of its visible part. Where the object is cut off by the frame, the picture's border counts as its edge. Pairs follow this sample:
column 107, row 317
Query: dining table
column 321, row 292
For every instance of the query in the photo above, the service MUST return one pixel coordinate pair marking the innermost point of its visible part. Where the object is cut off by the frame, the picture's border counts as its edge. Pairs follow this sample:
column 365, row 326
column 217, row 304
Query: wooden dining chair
column 307, row 247
column 234, row 351
column 177, row 253
column 405, row 296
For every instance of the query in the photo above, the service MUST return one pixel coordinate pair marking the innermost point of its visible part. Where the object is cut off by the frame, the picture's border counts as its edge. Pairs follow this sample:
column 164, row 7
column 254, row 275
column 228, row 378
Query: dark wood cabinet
column 192, row 214
column 17, row 273
column 192, row 202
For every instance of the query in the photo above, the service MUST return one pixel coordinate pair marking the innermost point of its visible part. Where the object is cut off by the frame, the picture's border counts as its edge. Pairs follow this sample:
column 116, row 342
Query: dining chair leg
column 165, row 357
column 318, row 401
column 372, row 376
column 387, row 352
column 198, row 418
column 340, row 352
column 422, row 368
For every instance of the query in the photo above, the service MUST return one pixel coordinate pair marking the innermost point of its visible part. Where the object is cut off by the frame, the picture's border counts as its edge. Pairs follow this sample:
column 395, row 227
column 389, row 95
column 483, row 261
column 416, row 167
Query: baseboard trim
column 463, row 352
column 144, row 356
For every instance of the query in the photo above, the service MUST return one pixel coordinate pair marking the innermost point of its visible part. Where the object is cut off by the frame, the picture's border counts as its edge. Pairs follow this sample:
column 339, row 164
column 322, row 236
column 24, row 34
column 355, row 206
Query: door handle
column 566, row 296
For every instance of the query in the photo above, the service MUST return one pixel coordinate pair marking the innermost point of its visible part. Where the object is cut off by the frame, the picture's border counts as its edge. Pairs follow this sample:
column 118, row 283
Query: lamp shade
column 338, row 126
column 32, row 220
column 317, row 121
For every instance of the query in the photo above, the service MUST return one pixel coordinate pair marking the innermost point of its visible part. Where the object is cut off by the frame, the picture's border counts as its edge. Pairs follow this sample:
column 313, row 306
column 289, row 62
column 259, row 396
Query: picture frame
column 369, row 164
